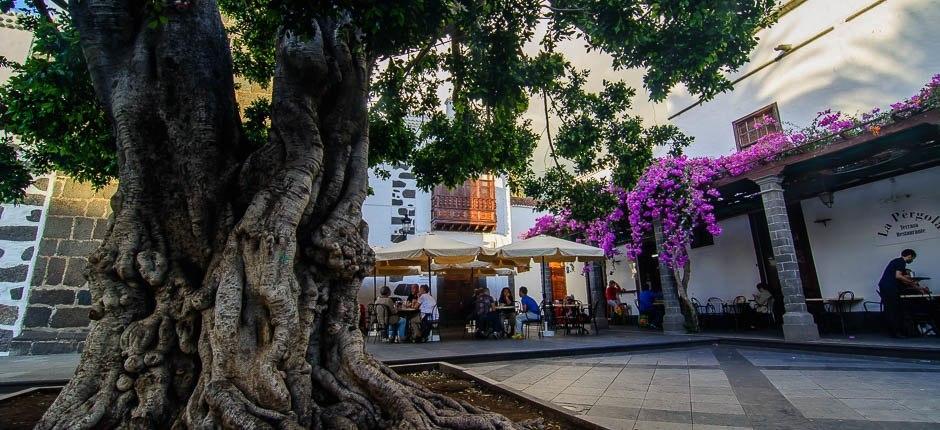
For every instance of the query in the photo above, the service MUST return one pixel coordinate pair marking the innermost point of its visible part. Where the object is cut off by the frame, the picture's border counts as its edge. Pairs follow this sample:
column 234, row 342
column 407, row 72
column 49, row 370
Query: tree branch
column 548, row 129
column 43, row 10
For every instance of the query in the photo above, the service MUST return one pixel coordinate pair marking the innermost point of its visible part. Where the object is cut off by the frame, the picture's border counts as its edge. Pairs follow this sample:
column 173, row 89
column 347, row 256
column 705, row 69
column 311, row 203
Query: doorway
column 648, row 268
column 767, row 264
column 455, row 295
column 559, row 280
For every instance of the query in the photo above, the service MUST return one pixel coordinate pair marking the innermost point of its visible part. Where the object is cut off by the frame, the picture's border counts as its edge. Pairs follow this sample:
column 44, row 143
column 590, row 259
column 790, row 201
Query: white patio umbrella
column 384, row 270
column 427, row 249
column 550, row 249
column 547, row 249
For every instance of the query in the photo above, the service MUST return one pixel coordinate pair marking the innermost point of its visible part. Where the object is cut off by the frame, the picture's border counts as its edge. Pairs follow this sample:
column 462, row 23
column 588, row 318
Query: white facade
column 871, row 224
column 883, row 55
column 852, row 56
column 398, row 195
column 728, row 268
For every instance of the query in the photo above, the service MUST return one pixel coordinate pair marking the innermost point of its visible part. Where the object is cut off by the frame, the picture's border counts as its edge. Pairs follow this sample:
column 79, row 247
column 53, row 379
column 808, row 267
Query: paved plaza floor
column 732, row 387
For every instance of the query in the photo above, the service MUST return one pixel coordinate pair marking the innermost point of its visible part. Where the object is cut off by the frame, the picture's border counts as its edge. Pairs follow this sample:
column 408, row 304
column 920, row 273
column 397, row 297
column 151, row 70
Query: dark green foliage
column 596, row 134
column 469, row 52
column 15, row 175
column 676, row 41
column 50, row 105
column 257, row 121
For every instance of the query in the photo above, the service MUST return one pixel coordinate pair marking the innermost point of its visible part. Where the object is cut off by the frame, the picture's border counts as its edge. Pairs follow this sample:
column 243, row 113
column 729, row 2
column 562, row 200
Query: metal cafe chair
column 770, row 316
column 527, row 324
column 378, row 329
column 869, row 307
column 736, row 309
column 435, row 320
column 837, row 310
column 714, row 310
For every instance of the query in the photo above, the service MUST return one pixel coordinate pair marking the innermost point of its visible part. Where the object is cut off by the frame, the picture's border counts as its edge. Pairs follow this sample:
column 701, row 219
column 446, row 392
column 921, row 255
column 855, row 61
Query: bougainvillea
column 679, row 192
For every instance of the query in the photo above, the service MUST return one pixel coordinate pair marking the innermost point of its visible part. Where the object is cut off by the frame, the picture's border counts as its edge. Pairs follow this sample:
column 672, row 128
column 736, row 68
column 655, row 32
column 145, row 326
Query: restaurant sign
column 909, row 226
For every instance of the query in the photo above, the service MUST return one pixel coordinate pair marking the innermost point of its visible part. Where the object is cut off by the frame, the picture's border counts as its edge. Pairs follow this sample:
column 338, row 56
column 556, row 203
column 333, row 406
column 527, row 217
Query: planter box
column 539, row 406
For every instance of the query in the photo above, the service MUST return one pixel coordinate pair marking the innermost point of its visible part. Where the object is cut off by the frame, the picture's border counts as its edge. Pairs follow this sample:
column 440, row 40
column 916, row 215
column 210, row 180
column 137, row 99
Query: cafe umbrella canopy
column 548, row 249
column 426, row 249
column 386, row 271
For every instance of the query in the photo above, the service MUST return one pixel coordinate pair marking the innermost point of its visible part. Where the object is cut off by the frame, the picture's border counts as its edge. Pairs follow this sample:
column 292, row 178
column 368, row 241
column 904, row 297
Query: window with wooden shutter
column 469, row 207
column 752, row 127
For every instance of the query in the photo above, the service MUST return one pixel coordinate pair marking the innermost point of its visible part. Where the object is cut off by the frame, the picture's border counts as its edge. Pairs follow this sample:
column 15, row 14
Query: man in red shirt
column 613, row 294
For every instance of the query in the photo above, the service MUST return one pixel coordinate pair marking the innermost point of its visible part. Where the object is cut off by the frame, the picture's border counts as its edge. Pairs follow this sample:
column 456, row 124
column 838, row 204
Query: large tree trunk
column 689, row 312
column 225, row 291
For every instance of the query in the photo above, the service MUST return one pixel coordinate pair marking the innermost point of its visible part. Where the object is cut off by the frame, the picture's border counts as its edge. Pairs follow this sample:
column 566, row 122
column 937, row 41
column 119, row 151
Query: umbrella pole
column 547, row 300
column 545, row 295
column 590, row 292
column 373, row 284
column 430, row 275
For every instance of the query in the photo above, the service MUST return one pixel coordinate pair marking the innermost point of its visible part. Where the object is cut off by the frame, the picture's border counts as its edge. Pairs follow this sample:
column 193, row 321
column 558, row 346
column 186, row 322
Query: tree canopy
column 472, row 51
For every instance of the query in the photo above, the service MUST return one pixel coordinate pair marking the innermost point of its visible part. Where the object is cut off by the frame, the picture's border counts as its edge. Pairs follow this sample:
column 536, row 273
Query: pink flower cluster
column 679, row 192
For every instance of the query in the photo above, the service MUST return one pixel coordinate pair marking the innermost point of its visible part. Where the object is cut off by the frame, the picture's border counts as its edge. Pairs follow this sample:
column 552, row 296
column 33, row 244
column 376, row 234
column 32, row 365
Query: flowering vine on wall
column 679, row 191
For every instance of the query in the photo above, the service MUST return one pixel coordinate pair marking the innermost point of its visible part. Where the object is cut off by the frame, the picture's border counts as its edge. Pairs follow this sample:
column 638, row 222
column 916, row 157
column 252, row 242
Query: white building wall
column 521, row 219
column 850, row 253
column 399, row 194
column 884, row 55
column 728, row 268
column 623, row 270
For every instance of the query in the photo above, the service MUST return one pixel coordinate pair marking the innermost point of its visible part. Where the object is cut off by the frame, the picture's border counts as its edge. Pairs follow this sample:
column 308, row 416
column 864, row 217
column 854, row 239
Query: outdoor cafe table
column 919, row 296
column 582, row 308
column 408, row 314
column 835, row 300
column 505, row 313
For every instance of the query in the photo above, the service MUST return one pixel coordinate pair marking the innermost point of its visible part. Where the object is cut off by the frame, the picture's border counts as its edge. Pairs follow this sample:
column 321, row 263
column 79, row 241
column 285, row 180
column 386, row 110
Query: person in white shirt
column 421, row 323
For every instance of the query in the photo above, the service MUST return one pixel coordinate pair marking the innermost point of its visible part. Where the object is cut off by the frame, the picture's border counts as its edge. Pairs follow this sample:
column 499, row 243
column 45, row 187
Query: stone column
column 798, row 324
column 596, row 285
column 673, row 321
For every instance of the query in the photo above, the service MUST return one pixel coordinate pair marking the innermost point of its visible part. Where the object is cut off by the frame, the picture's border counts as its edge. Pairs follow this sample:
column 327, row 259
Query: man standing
column 892, row 281
column 529, row 311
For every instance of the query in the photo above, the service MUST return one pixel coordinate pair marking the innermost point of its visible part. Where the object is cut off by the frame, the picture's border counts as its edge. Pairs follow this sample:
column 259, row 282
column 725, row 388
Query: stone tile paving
column 726, row 387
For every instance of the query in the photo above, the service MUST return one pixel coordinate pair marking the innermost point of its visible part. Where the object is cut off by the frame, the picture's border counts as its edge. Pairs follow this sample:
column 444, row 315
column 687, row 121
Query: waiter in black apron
column 893, row 280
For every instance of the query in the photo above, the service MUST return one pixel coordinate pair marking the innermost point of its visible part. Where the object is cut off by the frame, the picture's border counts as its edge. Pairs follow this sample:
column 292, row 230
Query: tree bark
column 688, row 308
column 224, row 293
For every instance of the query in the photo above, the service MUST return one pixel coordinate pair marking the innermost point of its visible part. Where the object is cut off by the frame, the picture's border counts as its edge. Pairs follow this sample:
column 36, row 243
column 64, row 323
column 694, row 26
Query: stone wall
column 20, row 229
column 56, row 319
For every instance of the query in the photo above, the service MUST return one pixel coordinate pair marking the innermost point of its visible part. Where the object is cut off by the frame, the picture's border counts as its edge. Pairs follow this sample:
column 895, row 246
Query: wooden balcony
column 469, row 207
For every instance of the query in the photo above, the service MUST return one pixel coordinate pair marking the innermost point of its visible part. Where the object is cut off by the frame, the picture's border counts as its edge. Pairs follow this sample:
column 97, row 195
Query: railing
column 470, row 207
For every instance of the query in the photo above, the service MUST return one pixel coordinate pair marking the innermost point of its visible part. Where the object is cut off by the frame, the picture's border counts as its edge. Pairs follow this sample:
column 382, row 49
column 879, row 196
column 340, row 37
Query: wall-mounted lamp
column 827, row 198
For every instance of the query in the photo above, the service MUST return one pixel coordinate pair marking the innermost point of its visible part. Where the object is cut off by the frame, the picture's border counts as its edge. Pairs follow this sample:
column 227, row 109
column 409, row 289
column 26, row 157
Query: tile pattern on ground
column 722, row 387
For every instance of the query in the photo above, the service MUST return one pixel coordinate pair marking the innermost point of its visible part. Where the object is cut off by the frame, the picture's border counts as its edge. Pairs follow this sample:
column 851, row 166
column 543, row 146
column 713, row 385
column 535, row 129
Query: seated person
column 506, row 299
column 762, row 299
column 915, row 287
column 388, row 314
column 427, row 307
column 646, row 304
column 573, row 312
column 612, row 293
column 528, row 311
column 486, row 316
